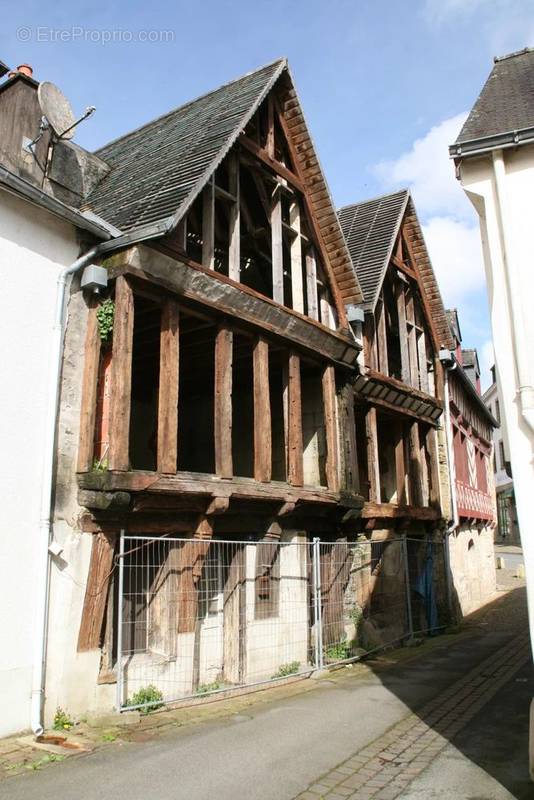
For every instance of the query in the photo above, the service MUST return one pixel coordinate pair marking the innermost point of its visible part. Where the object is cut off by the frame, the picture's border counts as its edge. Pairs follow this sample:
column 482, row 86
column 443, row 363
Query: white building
column 507, row 530
column 39, row 237
column 494, row 157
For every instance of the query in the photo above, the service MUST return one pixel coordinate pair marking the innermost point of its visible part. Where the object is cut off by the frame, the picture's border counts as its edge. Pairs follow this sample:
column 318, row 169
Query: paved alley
column 445, row 720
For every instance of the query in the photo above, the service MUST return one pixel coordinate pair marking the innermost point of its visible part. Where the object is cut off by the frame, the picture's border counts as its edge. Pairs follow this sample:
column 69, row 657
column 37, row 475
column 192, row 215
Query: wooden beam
column 277, row 248
column 352, row 470
column 223, row 402
column 208, row 225
column 422, row 293
column 434, row 475
column 416, row 472
column 168, row 388
column 311, row 284
column 91, row 365
column 234, row 232
column 262, row 412
column 382, row 338
column 373, row 466
column 369, row 342
column 297, row 289
column 412, row 340
column 331, row 430
column 270, row 144
column 392, row 511
column 403, row 331
column 96, row 591
column 295, row 470
column 274, row 165
column 121, row 376
column 313, row 224
column 400, row 465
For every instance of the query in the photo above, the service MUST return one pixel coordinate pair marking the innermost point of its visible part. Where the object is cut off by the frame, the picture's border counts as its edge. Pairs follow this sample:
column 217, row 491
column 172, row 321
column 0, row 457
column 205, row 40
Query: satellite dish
column 57, row 109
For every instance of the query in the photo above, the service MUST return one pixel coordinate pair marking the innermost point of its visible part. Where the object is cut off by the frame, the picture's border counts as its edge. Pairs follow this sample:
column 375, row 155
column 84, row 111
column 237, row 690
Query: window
column 502, row 457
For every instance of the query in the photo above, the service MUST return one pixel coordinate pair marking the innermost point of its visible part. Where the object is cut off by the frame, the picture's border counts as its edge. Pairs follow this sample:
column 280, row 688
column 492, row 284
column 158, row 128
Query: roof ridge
column 405, row 190
column 522, row 52
column 282, row 60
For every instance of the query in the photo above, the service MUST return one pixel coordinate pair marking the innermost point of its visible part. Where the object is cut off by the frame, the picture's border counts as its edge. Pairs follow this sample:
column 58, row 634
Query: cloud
column 436, row 12
column 428, row 171
column 456, row 255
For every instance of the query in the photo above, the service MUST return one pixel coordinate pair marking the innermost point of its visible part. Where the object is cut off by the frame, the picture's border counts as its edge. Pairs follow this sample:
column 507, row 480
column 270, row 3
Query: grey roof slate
column 158, row 169
column 370, row 229
column 506, row 102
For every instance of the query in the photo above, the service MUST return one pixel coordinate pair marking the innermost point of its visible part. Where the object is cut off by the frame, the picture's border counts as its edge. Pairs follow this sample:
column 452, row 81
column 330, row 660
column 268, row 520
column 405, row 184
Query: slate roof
column 506, row 102
column 454, row 323
column 158, row 169
column 370, row 229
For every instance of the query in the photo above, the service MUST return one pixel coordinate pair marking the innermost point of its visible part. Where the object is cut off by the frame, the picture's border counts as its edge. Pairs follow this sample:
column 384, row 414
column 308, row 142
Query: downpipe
column 42, row 587
column 453, row 524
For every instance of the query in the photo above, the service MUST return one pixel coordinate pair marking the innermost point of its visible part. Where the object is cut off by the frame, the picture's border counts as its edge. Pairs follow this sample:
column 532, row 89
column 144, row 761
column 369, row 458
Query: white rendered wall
column 34, row 246
column 478, row 181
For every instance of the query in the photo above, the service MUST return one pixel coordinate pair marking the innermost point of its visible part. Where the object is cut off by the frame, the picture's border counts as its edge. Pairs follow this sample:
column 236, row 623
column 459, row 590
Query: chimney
column 24, row 69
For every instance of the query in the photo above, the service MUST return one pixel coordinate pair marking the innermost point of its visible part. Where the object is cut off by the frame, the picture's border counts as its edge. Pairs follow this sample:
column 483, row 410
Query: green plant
column 49, row 759
column 100, row 465
column 204, row 688
column 287, row 669
column 338, row 652
column 148, row 696
column 105, row 315
column 108, row 737
column 62, row 721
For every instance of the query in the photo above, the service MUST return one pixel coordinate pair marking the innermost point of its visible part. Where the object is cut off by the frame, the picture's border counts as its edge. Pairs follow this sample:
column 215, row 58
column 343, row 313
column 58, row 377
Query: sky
column 385, row 86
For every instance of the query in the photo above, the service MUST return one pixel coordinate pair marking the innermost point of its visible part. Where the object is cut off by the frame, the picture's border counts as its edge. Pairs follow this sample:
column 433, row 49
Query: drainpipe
column 43, row 541
column 513, row 291
column 449, row 364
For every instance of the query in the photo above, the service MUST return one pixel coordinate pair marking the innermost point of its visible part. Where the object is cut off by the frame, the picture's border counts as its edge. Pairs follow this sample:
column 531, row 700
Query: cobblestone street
column 445, row 720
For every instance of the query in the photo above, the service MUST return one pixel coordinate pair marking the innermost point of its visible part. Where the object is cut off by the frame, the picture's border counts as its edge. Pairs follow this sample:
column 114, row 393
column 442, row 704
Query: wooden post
column 168, row 388
column 262, row 412
column 96, row 591
column 352, row 472
column 382, row 338
column 223, row 402
column 403, row 331
column 416, row 473
column 295, row 457
column 330, row 422
column 432, row 449
column 400, row 465
column 412, row 343
column 270, row 144
column 234, row 233
column 121, row 376
column 208, row 225
column 373, row 465
column 369, row 342
column 311, row 285
column 297, row 291
column 89, row 390
column 277, row 248
column 191, row 558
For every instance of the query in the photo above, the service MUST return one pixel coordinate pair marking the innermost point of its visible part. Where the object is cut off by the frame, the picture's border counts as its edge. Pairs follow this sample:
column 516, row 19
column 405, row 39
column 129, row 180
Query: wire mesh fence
column 203, row 616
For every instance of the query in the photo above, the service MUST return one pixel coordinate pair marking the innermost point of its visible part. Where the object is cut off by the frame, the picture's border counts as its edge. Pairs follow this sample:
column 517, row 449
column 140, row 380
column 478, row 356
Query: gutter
column 21, row 188
column 486, row 144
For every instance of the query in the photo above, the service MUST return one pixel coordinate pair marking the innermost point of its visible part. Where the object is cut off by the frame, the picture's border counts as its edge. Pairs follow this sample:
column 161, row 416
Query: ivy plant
column 105, row 315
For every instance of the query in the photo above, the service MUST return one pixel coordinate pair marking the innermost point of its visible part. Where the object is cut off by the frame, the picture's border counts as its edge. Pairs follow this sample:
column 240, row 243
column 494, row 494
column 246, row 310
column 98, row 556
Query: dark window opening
column 277, row 369
column 242, row 407
column 256, row 257
column 145, row 384
column 361, row 448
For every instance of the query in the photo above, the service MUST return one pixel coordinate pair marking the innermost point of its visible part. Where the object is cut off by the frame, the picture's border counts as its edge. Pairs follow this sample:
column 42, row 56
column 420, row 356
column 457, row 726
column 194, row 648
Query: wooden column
column 412, row 343
column 373, row 466
column 91, row 365
column 96, row 592
column 223, row 402
column 400, row 466
column 352, row 471
column 432, row 449
column 295, row 468
column 191, row 558
column 168, row 388
column 234, row 233
column 269, row 144
column 121, row 376
column 262, row 412
column 369, row 342
column 208, row 225
column 297, row 289
column 416, row 473
column 330, row 423
column 277, row 248
column 403, row 332
column 311, row 285
column 381, row 336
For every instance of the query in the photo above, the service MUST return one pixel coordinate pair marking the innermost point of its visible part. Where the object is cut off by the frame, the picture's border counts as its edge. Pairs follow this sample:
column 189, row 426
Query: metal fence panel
column 204, row 616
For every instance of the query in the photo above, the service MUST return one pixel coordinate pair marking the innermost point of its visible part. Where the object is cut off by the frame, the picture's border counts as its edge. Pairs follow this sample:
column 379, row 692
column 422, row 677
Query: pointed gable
column 158, row 169
column 371, row 229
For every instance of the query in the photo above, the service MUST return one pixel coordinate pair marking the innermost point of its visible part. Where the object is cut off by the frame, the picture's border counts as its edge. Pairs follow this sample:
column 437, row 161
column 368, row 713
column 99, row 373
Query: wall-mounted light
column 94, row 278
